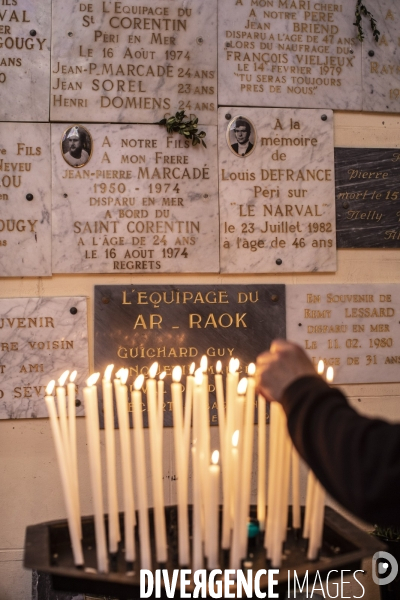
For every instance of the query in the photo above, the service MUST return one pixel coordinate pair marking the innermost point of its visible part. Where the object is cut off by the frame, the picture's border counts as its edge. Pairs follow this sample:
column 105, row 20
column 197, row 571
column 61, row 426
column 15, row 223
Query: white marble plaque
column 25, row 200
column 40, row 338
column 381, row 60
column 276, row 190
column 25, row 32
column 288, row 53
column 145, row 201
column 134, row 62
column 353, row 327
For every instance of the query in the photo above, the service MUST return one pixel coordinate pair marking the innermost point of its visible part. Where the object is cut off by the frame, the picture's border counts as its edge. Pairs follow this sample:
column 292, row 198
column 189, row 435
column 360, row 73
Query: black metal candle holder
column 48, row 549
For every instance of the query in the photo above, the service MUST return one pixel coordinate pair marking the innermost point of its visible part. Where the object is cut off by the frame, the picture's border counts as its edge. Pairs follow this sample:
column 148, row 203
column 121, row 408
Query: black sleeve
column 356, row 459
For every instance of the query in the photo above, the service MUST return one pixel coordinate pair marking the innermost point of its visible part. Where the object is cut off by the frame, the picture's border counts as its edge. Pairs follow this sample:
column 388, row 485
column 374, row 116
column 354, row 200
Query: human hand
column 281, row 366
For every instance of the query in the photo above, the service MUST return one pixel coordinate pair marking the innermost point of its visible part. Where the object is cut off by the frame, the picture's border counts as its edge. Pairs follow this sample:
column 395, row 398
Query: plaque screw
column 77, row 402
column 29, row 197
column 351, row 51
column 345, row 205
column 105, row 300
column 324, row 118
column 65, row 195
column 70, row 34
column 205, row 196
column 371, row 53
column 227, row 44
column 300, row 324
column 228, row 116
column 275, row 297
column 32, row 32
column 73, row 310
column 199, row 40
column 278, row 261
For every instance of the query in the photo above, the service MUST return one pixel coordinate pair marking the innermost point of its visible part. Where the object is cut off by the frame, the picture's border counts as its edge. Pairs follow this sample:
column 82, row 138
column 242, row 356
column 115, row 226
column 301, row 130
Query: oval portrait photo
column 241, row 136
column 76, row 146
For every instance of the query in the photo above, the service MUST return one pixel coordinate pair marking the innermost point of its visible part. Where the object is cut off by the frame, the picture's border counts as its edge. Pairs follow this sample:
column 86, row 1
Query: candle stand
column 48, row 549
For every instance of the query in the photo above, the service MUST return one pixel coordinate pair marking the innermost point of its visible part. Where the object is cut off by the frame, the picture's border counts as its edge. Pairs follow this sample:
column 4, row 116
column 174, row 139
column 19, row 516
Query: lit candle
column 234, row 555
column 213, row 521
column 188, row 409
column 160, row 406
column 231, row 387
column 72, row 442
column 320, row 367
column 113, row 518
column 247, row 455
column 156, row 467
column 62, row 414
column 197, row 551
column 205, row 449
column 126, row 463
column 93, row 438
column 219, row 389
column 180, row 466
column 262, row 461
column 239, row 546
column 63, row 469
column 329, row 375
column 140, row 462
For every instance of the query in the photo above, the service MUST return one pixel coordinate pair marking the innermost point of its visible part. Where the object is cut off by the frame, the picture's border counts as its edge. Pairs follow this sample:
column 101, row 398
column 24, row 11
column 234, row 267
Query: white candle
column 141, row 486
column 247, row 456
column 234, row 555
column 72, row 443
column 205, row 449
column 126, row 463
column 188, row 408
column 156, row 467
column 262, row 461
column 197, row 552
column 231, row 387
column 296, row 515
column 213, row 517
column 108, row 407
column 180, row 466
column 62, row 414
column 219, row 390
column 316, row 522
column 63, row 469
column 93, row 438
column 160, row 407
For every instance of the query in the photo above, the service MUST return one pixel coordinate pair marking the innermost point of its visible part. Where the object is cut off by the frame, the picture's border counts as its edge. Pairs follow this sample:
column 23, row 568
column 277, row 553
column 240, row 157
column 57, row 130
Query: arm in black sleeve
column 356, row 459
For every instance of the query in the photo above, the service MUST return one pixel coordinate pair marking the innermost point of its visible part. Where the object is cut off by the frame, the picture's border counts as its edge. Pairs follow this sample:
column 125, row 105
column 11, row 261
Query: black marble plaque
column 367, row 197
column 135, row 325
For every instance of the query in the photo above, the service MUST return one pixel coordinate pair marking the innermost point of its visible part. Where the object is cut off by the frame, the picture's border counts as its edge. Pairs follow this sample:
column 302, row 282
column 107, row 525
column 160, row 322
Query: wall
column 29, row 482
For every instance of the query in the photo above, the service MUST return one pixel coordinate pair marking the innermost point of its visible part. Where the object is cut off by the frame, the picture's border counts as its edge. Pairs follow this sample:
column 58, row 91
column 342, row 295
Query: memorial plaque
column 353, row 328
column 276, row 190
column 291, row 53
column 381, row 60
column 40, row 338
column 134, row 62
column 133, row 199
column 25, row 200
column 177, row 324
column 25, row 32
column 367, row 197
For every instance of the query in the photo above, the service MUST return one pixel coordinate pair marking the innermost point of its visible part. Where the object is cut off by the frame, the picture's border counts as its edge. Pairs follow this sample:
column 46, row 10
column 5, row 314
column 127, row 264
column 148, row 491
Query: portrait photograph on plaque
column 77, row 146
column 241, row 136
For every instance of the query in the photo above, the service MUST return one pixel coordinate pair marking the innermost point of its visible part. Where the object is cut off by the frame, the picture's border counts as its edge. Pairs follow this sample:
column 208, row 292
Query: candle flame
column 92, row 379
column 235, row 439
column 215, row 457
column 218, row 368
column 107, row 372
column 251, row 369
column 198, row 377
column 329, row 375
column 321, row 367
column 232, row 365
column 50, row 388
column 124, row 376
column 242, row 386
column 153, row 370
column 119, row 373
column 192, row 368
column 63, row 378
column 162, row 375
column 137, row 384
column 203, row 364
column 73, row 375
column 176, row 374
column 237, row 364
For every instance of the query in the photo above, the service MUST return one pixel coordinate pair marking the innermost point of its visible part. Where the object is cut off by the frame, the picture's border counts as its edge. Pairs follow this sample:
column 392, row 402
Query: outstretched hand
column 282, row 365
